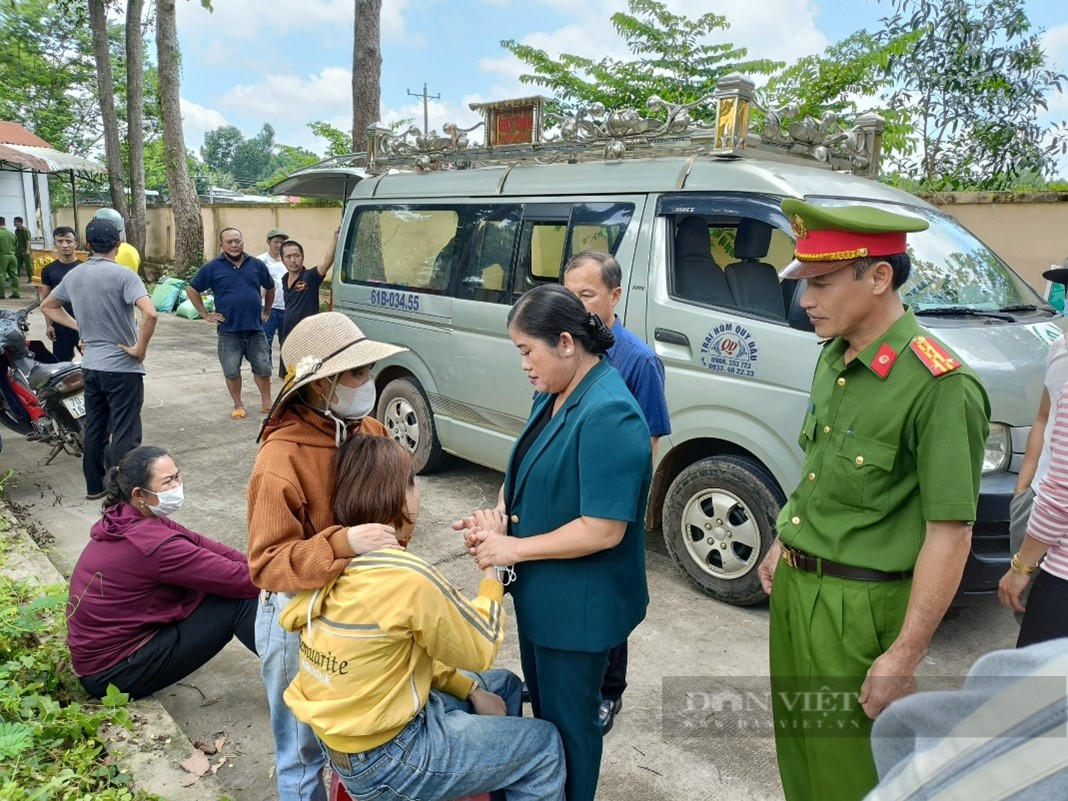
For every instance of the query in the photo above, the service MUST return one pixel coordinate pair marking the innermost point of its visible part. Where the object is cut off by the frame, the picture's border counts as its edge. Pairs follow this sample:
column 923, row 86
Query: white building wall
column 13, row 197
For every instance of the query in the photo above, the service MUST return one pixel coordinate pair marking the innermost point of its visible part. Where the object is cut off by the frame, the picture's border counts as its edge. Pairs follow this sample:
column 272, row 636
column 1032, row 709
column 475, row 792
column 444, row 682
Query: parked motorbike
column 39, row 396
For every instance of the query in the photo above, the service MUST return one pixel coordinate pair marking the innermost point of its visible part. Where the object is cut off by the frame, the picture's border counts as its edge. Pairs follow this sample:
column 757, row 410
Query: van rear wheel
column 405, row 412
column 719, row 521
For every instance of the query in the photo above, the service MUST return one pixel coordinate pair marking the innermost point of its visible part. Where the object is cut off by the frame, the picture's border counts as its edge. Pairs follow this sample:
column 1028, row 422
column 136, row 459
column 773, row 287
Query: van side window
column 488, row 271
column 547, row 251
column 548, row 243
column 406, row 247
column 598, row 226
column 733, row 262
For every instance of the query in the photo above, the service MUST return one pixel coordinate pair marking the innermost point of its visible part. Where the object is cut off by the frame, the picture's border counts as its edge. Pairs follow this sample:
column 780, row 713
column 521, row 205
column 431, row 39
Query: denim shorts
column 251, row 345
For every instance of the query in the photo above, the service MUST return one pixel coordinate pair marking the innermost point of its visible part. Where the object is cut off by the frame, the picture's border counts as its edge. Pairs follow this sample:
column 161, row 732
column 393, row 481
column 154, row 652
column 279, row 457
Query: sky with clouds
column 288, row 62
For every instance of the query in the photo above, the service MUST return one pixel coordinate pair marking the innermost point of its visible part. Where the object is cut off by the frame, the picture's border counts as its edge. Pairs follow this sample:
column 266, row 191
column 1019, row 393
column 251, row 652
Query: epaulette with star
column 934, row 357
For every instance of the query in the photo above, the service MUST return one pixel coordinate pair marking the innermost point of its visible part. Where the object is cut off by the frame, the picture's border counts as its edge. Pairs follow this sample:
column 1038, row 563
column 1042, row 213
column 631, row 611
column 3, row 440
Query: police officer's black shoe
column 525, row 693
column 607, row 714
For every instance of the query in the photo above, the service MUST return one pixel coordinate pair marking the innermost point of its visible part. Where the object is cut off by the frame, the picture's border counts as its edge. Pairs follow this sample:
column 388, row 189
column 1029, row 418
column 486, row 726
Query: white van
column 433, row 259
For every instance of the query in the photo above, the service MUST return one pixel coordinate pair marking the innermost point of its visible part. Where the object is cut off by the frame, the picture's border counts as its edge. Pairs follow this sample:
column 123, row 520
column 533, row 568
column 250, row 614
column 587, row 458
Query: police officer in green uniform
column 9, row 265
column 22, row 249
column 873, row 540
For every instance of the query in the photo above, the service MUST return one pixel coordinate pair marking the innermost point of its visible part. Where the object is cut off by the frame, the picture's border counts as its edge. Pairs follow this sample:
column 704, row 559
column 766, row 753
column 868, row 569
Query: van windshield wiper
column 1027, row 307
column 964, row 311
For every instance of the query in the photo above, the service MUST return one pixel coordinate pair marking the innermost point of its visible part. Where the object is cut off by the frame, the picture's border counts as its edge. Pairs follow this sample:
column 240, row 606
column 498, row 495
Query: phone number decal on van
column 730, row 349
column 391, row 299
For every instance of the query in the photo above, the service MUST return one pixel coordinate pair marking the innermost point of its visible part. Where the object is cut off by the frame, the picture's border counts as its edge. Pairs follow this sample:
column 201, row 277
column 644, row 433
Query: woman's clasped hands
column 487, row 541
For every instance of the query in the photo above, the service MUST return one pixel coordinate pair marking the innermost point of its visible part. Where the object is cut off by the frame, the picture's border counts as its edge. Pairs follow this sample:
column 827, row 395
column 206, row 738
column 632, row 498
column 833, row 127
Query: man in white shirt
column 275, row 323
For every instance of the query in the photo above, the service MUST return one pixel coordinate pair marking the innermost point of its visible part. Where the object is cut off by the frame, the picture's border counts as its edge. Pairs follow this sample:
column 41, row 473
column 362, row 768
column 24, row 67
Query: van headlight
column 997, row 453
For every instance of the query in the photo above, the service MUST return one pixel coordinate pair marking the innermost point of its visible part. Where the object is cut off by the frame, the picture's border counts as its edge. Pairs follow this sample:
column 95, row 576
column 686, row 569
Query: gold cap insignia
column 800, row 231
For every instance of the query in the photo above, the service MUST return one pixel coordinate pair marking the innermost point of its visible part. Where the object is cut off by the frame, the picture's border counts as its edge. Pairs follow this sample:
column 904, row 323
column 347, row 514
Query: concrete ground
column 187, row 410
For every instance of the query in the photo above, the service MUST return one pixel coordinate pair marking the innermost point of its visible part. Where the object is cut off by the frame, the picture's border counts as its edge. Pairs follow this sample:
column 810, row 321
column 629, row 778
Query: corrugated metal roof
column 11, row 133
column 45, row 159
column 8, row 155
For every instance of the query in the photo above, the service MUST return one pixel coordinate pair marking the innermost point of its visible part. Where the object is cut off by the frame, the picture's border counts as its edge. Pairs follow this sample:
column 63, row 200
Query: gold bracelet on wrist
column 1018, row 566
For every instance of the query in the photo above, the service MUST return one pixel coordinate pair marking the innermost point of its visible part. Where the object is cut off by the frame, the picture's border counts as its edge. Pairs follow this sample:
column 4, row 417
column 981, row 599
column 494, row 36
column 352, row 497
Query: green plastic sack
column 165, row 297
column 188, row 311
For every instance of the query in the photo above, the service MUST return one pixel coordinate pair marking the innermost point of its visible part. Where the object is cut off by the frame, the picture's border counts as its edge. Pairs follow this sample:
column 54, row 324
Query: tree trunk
column 188, row 224
column 135, row 118
column 366, row 71
column 98, row 23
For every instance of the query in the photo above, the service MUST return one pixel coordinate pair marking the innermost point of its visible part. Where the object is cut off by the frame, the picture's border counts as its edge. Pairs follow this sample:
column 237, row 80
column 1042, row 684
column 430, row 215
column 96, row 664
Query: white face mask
column 170, row 501
column 354, row 404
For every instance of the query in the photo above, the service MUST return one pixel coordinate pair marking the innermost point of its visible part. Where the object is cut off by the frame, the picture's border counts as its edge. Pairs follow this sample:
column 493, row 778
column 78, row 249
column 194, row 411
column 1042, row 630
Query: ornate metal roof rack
column 515, row 133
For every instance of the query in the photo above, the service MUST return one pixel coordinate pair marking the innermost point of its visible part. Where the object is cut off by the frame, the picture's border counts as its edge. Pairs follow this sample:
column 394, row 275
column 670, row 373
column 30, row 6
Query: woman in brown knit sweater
column 328, row 394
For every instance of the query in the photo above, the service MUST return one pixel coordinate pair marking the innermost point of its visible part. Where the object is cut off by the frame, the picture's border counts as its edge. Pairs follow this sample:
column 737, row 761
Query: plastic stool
column 339, row 793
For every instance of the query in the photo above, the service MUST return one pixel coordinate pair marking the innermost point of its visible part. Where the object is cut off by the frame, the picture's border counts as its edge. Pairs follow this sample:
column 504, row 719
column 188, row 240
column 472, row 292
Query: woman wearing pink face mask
column 151, row 601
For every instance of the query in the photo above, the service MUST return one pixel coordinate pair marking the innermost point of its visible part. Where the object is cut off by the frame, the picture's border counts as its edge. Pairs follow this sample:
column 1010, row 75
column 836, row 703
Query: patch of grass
column 9, row 477
column 50, row 743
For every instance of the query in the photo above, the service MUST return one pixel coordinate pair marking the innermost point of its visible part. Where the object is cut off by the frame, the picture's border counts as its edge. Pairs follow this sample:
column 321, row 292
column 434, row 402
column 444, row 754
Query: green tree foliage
column 256, row 161
column 975, row 81
column 338, row 143
column 219, row 151
column 287, row 159
column 672, row 58
column 47, row 77
column 850, row 77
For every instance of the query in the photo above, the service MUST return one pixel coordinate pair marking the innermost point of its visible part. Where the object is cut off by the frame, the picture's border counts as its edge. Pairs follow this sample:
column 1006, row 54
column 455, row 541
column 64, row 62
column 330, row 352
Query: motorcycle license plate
column 75, row 405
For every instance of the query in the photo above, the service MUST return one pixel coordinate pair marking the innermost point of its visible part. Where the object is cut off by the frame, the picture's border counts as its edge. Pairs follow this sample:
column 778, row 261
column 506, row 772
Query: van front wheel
column 405, row 412
column 719, row 521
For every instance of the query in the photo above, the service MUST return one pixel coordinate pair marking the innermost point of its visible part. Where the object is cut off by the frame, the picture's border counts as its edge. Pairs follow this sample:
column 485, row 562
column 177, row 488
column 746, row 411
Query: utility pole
column 426, row 99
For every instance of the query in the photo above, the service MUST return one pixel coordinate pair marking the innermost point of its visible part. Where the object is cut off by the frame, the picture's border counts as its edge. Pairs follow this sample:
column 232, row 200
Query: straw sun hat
column 325, row 345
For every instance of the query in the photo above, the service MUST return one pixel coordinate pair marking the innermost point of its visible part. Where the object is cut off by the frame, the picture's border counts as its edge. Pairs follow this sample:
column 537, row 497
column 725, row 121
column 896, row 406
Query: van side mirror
column 795, row 315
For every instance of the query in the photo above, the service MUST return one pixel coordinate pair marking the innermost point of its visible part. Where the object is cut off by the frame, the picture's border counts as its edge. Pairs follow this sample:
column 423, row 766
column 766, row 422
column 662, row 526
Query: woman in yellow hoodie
column 381, row 653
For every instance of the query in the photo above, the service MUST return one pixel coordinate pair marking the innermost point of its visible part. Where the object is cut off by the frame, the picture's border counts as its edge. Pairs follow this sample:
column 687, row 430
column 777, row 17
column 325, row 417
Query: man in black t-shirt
column 301, row 286
column 65, row 339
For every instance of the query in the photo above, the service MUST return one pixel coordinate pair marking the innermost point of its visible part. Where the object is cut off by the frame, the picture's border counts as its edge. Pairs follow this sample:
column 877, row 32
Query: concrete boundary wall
column 311, row 226
column 1029, row 230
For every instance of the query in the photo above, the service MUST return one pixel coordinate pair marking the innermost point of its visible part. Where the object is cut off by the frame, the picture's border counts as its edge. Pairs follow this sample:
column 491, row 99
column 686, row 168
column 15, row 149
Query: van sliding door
column 488, row 397
column 513, row 248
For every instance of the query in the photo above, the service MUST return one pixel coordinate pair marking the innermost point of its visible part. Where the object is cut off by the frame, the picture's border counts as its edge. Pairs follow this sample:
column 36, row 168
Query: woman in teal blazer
column 571, row 520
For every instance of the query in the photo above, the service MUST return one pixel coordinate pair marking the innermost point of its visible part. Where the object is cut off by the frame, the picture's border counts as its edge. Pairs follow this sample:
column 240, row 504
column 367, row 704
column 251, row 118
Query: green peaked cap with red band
column 829, row 234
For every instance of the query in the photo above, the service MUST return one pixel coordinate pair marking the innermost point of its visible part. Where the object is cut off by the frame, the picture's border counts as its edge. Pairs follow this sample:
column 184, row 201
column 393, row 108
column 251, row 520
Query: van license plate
column 75, row 405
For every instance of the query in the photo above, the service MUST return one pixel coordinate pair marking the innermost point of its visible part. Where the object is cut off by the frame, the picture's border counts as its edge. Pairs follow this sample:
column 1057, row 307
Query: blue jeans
column 275, row 325
column 235, row 345
column 449, row 752
column 299, row 761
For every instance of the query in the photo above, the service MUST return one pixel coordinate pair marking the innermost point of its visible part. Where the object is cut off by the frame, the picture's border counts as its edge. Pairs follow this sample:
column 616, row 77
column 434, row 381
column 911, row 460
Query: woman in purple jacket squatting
column 151, row 601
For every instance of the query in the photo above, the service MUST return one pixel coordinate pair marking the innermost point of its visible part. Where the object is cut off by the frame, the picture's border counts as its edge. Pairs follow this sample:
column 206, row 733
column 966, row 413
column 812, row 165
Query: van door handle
column 672, row 337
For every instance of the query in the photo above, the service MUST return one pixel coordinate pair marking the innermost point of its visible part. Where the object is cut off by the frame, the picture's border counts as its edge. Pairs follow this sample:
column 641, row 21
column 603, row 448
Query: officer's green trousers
column 825, row 634
column 25, row 264
column 9, row 269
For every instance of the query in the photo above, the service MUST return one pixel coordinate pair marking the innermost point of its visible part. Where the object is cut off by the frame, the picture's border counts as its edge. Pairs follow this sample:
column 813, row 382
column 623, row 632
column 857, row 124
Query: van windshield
column 952, row 270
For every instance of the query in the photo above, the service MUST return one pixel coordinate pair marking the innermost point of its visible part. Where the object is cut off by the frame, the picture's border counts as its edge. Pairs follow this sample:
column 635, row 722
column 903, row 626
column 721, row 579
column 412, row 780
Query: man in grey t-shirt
column 104, row 295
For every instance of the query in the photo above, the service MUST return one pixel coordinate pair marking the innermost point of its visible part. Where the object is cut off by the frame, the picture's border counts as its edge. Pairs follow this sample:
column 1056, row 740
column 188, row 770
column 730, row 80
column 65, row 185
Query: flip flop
column 238, row 414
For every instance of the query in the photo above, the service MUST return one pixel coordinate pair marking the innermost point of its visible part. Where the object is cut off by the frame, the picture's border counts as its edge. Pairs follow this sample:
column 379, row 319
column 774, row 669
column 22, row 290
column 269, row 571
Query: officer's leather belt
column 339, row 758
column 813, row 564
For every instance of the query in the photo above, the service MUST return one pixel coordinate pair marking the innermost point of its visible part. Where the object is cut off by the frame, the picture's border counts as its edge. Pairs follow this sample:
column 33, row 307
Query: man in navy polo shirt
column 236, row 278
column 596, row 279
